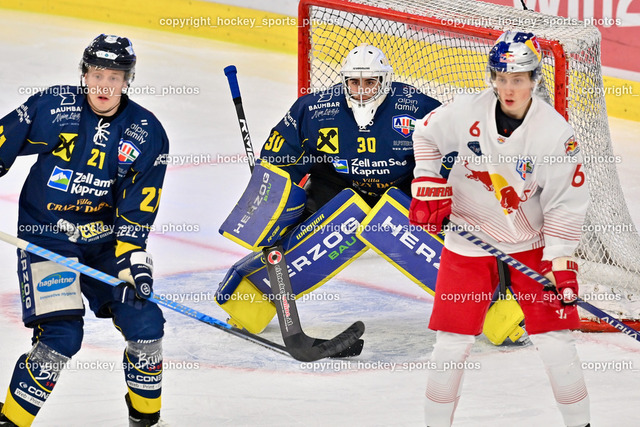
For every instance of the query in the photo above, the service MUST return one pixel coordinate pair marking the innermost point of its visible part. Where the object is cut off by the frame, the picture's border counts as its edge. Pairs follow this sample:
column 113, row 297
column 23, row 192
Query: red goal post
column 441, row 48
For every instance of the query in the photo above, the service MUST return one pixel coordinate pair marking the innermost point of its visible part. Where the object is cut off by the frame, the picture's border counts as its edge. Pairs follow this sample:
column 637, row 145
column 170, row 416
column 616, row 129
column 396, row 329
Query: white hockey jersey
column 517, row 193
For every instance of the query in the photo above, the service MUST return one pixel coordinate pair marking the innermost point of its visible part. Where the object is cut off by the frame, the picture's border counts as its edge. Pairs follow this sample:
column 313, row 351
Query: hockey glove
column 431, row 203
column 136, row 268
column 563, row 272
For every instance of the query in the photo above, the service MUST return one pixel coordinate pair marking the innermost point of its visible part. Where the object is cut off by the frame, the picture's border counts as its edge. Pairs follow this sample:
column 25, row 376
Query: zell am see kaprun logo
column 56, row 281
column 60, row 178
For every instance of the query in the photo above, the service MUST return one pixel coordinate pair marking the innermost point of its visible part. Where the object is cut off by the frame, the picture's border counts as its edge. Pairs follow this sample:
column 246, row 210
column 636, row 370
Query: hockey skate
column 138, row 419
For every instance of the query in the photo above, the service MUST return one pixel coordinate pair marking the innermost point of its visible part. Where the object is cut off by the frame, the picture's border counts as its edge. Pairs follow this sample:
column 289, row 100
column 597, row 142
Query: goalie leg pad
column 413, row 251
column 247, row 305
column 315, row 250
column 270, row 203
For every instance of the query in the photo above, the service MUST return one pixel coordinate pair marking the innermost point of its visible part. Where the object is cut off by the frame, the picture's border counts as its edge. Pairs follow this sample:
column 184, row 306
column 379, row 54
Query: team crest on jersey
column 60, row 179
column 524, row 167
column 341, row 166
column 127, row 152
column 328, row 140
column 403, row 124
column 67, row 142
column 571, row 147
column 475, row 147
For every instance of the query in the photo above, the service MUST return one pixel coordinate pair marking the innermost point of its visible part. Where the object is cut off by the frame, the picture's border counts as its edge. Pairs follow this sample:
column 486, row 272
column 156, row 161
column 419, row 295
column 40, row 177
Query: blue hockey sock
column 34, row 377
column 143, row 373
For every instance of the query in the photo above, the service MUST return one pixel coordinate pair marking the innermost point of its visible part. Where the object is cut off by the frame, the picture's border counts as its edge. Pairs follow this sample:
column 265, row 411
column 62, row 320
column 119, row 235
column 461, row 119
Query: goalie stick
column 298, row 344
column 539, row 278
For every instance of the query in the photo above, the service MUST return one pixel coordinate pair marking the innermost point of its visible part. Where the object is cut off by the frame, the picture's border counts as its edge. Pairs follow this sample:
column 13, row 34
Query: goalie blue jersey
column 96, row 178
column 319, row 134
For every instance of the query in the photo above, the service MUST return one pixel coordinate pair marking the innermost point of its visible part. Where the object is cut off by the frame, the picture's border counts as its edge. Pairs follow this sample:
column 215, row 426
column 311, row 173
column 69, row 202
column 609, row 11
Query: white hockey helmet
column 363, row 62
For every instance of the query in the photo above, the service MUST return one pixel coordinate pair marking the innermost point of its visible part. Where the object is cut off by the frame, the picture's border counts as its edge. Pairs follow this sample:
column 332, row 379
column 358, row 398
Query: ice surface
column 212, row 378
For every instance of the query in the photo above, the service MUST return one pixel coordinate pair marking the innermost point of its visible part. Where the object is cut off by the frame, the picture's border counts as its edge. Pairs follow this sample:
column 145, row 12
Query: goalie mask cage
column 441, row 47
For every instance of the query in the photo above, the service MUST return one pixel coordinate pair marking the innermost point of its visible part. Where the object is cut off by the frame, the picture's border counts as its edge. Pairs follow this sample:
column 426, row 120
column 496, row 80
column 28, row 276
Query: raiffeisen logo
column 56, row 281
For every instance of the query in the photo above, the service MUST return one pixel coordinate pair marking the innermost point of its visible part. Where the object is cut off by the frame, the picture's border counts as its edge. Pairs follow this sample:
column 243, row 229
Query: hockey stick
column 548, row 285
column 300, row 345
column 110, row 280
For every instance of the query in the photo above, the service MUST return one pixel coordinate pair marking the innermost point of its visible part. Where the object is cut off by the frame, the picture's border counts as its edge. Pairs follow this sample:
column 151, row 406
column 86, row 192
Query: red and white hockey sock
column 558, row 352
column 444, row 383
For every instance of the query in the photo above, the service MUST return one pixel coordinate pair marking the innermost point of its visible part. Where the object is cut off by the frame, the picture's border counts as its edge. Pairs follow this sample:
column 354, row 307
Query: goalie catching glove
column 431, row 203
column 563, row 272
column 135, row 268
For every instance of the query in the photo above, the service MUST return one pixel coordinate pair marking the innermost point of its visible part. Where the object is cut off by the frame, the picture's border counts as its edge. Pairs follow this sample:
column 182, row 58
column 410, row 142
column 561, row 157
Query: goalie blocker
column 324, row 244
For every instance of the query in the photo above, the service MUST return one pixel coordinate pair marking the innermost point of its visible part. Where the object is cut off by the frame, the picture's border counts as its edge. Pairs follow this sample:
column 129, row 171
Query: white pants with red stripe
column 557, row 350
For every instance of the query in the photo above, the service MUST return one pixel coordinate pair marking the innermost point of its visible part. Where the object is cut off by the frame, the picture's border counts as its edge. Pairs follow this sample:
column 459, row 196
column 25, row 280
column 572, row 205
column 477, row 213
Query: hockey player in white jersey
column 517, row 181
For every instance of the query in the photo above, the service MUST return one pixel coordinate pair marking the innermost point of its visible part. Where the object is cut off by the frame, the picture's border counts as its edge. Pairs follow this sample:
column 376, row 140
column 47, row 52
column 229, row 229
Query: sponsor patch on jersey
column 524, row 167
column 403, row 124
column 475, row 147
column 127, row 152
column 66, row 144
column 571, row 147
column 60, row 178
column 341, row 166
column 56, row 281
column 328, row 140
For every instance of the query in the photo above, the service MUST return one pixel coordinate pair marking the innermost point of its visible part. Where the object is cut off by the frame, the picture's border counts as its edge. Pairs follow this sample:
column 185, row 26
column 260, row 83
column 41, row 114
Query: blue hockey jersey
column 320, row 130
column 96, row 178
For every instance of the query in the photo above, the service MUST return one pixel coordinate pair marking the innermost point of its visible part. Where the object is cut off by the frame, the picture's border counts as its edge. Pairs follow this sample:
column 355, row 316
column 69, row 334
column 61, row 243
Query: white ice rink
column 212, row 378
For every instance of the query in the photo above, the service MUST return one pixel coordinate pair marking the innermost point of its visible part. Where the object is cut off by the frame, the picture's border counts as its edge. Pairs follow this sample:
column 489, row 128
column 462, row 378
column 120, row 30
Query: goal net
column 441, row 47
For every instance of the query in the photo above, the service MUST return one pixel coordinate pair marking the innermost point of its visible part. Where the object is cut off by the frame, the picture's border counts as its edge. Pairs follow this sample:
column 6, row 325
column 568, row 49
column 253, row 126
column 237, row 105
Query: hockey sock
column 34, row 377
column 143, row 373
column 558, row 352
column 444, row 383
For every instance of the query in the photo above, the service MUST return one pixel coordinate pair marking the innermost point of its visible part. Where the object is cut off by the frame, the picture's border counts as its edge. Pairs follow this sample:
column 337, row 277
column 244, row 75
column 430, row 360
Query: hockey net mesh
column 444, row 60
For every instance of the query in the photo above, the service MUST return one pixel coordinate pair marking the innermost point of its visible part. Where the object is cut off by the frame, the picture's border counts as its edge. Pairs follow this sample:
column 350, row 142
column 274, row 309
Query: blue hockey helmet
column 111, row 52
column 516, row 52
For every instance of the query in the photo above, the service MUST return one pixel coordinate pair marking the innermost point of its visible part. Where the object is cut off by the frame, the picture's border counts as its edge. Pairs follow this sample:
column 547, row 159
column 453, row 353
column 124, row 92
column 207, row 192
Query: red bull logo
column 571, row 147
column 507, row 57
column 509, row 199
column 480, row 176
column 505, row 193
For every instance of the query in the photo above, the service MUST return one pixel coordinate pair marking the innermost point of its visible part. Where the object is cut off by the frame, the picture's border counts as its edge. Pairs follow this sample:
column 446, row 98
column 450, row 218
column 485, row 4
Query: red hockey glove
column 431, row 203
column 563, row 271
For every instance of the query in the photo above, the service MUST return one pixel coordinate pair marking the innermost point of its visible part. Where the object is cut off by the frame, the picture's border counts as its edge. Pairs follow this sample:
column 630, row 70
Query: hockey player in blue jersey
column 92, row 195
column 352, row 142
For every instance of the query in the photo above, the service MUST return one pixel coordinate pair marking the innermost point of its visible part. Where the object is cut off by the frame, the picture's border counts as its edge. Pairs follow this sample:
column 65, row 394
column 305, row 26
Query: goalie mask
column 366, row 79
column 515, row 52
column 111, row 52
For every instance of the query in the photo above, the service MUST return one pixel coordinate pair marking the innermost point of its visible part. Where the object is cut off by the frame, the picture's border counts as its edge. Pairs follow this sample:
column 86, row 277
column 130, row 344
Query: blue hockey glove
column 135, row 268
